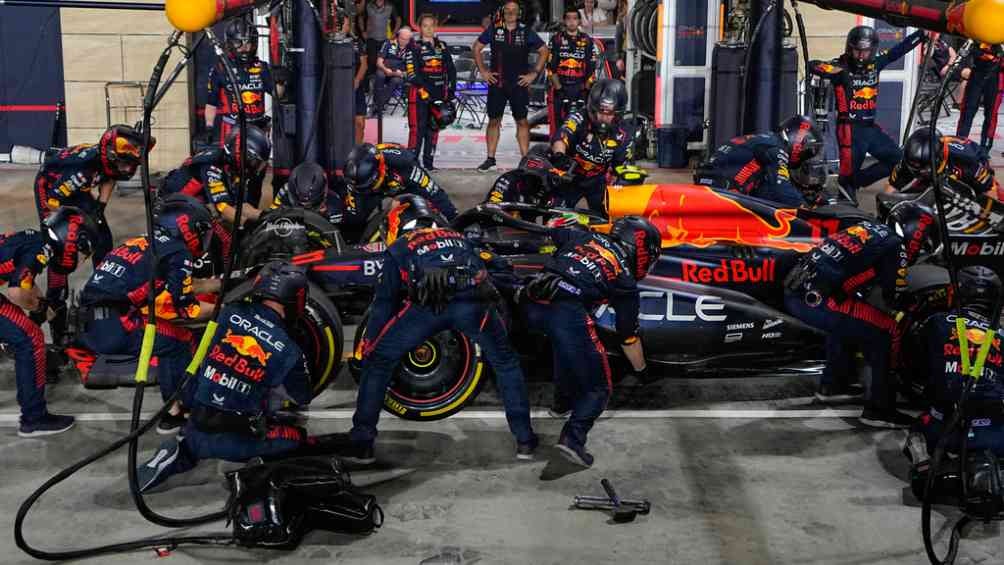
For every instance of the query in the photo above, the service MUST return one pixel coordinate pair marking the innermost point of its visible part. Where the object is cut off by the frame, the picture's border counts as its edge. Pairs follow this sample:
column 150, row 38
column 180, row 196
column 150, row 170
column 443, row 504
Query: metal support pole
column 762, row 97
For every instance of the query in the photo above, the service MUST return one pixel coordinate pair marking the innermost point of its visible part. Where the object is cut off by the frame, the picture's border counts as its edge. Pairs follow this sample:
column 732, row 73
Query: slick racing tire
column 318, row 333
column 284, row 233
column 436, row 379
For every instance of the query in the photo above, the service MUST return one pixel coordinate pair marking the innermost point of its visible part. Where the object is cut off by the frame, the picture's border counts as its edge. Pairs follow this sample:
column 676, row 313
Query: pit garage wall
column 101, row 46
column 690, row 29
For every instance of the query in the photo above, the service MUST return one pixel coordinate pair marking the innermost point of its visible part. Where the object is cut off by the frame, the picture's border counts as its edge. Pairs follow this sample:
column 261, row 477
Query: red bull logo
column 700, row 216
column 571, row 64
column 124, row 147
column 247, row 346
column 249, row 97
column 859, row 232
column 433, row 66
column 731, row 270
column 866, row 93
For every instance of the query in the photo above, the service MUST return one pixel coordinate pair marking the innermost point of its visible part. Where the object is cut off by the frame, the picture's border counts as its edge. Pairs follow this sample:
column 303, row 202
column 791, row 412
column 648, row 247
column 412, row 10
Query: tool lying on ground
column 623, row 510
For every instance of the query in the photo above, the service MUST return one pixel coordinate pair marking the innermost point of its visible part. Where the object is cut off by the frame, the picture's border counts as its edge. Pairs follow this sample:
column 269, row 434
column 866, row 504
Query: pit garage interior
column 738, row 466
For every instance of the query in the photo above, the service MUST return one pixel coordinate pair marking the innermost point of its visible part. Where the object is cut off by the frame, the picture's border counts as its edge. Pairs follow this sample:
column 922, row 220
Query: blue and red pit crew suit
column 752, row 164
column 397, row 324
column 252, row 368
column 594, row 156
column 115, row 304
column 66, row 178
column 962, row 160
column 431, row 77
column 945, row 380
column 23, row 256
column 254, row 80
column 573, row 61
column 823, row 291
column 208, row 177
column 400, row 173
column 856, row 91
column 595, row 269
column 984, row 88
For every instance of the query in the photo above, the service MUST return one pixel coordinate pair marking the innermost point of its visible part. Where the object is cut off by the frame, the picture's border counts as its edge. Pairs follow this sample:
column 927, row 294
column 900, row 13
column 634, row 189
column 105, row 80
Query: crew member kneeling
column 444, row 283
column 830, row 289
column 956, row 158
column 979, row 288
column 586, row 269
column 759, row 164
column 114, row 300
column 252, row 368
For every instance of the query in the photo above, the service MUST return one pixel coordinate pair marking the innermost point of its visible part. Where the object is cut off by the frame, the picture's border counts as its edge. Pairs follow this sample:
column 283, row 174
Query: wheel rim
column 434, row 370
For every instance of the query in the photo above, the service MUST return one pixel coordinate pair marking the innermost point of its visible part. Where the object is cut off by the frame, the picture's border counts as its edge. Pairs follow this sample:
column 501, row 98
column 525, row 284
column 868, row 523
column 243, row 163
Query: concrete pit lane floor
column 738, row 471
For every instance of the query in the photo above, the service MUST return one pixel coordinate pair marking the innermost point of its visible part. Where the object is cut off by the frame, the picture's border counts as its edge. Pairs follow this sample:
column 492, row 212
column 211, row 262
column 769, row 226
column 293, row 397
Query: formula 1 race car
column 713, row 303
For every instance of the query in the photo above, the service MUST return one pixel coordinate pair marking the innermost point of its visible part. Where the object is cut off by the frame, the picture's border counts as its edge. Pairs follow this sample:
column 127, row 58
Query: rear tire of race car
column 436, row 379
column 318, row 333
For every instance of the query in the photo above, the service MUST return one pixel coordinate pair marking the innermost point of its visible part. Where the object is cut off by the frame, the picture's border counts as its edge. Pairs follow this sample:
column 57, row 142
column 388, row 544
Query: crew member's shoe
column 575, row 454
column 358, row 454
column 835, row 393
column 884, row 418
column 159, row 467
column 560, row 408
column 170, row 424
column 525, row 451
column 488, row 165
column 47, row 425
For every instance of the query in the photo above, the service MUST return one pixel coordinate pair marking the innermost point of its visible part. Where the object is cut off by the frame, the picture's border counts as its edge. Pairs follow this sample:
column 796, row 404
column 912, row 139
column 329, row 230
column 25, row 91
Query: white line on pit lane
column 736, row 414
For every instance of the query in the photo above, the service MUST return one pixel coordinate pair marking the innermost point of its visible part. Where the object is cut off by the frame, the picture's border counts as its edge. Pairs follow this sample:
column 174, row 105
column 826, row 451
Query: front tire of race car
column 436, row 379
column 318, row 333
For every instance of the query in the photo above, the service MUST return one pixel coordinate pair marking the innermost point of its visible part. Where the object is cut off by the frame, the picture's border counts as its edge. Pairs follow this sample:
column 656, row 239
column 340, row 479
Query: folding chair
column 472, row 93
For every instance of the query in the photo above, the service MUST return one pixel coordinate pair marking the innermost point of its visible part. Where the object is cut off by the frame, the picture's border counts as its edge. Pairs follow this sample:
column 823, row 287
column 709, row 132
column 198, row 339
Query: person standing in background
column 510, row 76
column 591, row 16
column 983, row 72
column 378, row 15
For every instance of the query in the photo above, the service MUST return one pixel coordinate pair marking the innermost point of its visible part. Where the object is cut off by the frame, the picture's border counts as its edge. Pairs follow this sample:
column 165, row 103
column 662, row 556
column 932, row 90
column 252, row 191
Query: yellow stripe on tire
column 467, row 393
column 331, row 359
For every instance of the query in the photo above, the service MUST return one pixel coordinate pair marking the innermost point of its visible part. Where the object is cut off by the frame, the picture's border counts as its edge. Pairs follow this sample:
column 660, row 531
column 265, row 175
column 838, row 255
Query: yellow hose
column 145, row 353
column 200, row 353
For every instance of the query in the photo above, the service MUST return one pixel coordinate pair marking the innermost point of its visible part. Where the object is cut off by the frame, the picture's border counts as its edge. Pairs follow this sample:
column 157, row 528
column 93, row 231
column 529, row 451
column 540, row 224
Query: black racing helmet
column 69, row 233
column 121, row 148
column 307, row 186
column 643, row 241
column 979, row 288
column 240, row 32
column 364, row 168
column 185, row 218
column 919, row 227
column 861, row 46
column 284, row 283
column 803, row 139
column 409, row 213
column 608, row 95
column 258, row 146
column 443, row 113
column 810, row 179
column 917, row 152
